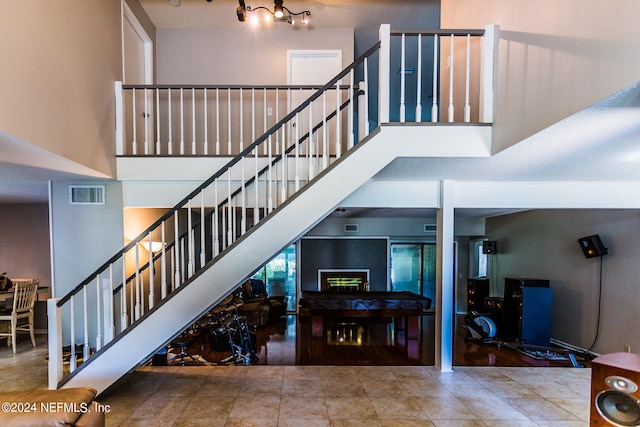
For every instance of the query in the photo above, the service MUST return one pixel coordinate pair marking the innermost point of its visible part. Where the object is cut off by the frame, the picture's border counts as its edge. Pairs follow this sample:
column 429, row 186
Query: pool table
column 405, row 305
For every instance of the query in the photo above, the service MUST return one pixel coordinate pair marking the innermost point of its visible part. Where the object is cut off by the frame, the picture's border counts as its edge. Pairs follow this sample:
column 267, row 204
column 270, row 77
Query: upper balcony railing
column 271, row 160
column 427, row 76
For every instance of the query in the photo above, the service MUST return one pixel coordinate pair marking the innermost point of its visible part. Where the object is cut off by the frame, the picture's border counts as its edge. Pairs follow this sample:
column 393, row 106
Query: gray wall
column 543, row 244
column 24, row 245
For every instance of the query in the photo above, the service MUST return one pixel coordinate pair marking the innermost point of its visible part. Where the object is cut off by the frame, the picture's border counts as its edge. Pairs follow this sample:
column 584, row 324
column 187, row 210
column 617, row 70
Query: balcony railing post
column 54, row 338
column 487, row 70
column 119, row 119
column 384, row 73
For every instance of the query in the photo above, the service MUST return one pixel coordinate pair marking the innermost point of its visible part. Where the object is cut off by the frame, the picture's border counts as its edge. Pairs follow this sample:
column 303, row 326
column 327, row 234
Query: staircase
column 209, row 243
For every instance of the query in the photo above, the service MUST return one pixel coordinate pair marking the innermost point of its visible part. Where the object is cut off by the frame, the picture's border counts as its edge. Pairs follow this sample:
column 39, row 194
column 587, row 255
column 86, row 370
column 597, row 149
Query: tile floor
column 265, row 395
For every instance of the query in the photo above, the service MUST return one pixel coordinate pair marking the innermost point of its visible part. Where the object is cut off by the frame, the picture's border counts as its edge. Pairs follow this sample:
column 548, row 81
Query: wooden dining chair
column 24, row 299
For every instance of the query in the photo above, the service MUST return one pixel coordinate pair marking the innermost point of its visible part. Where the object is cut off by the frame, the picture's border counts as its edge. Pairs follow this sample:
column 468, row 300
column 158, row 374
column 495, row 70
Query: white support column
column 487, row 70
column 54, row 314
column 445, row 279
column 384, row 73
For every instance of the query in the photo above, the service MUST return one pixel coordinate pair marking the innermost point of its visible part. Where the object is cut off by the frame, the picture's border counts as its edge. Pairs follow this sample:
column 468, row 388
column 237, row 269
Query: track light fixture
column 280, row 13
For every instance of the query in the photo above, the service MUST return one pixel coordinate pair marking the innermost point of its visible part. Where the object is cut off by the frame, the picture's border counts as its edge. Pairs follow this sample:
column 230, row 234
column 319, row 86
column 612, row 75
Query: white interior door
column 312, row 67
column 138, row 69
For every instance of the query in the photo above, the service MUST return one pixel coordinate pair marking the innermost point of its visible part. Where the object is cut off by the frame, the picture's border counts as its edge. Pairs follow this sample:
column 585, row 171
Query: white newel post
column 54, row 314
column 119, row 119
column 489, row 52
column 384, row 65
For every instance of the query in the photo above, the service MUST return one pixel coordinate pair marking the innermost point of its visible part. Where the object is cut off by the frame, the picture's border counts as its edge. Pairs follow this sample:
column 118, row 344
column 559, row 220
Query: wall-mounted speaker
column 592, row 246
column 489, row 247
column 615, row 398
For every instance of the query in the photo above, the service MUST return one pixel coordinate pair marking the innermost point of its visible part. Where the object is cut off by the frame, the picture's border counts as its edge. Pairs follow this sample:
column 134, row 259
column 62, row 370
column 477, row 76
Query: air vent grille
column 351, row 228
column 429, row 228
column 86, row 194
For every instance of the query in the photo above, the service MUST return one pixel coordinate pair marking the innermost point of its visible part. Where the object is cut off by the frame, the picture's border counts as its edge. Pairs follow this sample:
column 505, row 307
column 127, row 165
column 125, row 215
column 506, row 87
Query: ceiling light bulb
column 278, row 11
column 305, row 19
column 253, row 18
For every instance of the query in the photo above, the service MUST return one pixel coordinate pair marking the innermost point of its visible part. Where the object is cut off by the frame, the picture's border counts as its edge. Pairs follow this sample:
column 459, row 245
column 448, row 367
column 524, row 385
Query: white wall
column 543, row 244
column 60, row 60
column 246, row 56
column 555, row 58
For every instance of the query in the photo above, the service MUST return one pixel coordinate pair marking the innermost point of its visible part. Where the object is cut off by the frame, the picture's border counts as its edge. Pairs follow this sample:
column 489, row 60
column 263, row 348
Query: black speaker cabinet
column 477, row 290
column 592, row 246
column 489, row 247
column 615, row 398
column 526, row 311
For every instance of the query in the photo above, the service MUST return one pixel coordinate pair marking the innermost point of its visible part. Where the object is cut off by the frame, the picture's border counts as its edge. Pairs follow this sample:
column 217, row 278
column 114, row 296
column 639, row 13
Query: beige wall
column 544, row 244
column 60, row 60
column 245, row 56
column 555, row 58
column 24, row 244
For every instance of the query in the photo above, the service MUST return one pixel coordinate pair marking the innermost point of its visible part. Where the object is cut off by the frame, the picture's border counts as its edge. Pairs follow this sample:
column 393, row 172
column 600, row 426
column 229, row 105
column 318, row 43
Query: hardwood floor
column 368, row 342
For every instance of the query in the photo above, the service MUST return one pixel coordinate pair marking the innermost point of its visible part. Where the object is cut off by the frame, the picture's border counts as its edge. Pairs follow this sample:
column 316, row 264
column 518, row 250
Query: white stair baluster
column 193, row 121
column 434, row 104
column 451, row 66
column 134, row 125
column 350, row 129
column 229, row 152
column 124, row 315
column 214, row 220
column 85, row 321
column 181, row 121
column 189, row 242
column 157, row 110
column 205, row 142
column 111, row 333
column 203, row 246
column 297, row 150
column 467, row 107
column 170, row 127
column 325, row 146
column 145, row 116
column 163, row 264
column 98, row 314
column 402, row 79
column 338, row 120
column 217, row 122
column 151, row 274
column 138, row 310
column 72, row 335
column 419, row 82
column 176, row 241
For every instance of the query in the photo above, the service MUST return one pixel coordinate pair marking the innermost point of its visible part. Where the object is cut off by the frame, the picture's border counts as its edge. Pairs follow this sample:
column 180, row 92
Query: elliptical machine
column 481, row 328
